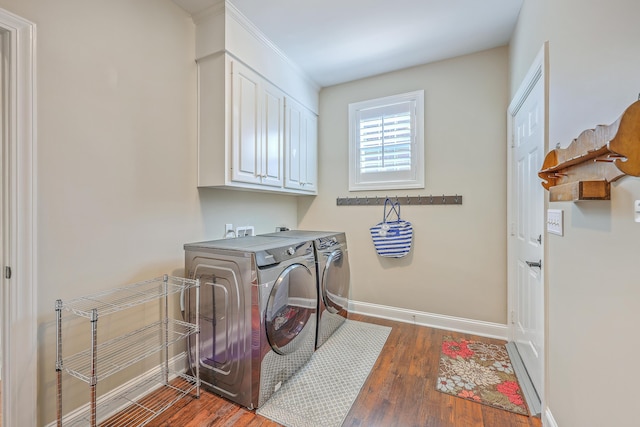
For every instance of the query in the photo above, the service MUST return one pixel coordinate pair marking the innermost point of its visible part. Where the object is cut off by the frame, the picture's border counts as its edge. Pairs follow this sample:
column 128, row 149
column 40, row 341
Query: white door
column 527, row 226
column 18, row 219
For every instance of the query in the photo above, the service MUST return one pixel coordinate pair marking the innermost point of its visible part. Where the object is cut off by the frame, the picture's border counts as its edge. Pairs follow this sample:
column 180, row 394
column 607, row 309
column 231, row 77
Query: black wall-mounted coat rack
column 403, row 200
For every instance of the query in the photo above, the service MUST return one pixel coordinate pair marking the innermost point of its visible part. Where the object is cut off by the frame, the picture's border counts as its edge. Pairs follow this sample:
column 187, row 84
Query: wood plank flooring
column 400, row 391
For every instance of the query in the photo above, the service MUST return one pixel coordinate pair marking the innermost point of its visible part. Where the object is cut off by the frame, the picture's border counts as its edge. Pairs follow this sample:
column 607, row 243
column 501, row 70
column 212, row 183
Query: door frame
column 18, row 195
column 539, row 71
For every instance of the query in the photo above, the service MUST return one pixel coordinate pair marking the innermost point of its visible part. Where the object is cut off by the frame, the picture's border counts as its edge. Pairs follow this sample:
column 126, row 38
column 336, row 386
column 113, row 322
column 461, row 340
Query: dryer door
column 291, row 309
column 335, row 282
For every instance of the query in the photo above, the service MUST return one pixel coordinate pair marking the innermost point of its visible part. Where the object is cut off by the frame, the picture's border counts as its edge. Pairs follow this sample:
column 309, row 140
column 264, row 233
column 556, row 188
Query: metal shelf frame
column 138, row 410
column 118, row 299
column 100, row 361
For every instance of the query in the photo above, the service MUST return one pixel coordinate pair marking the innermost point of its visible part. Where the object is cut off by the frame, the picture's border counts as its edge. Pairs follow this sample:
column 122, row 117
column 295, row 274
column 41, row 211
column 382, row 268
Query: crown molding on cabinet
column 217, row 8
column 220, row 7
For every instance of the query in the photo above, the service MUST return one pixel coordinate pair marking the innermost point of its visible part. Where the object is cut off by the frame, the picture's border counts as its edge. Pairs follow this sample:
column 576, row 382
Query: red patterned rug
column 480, row 372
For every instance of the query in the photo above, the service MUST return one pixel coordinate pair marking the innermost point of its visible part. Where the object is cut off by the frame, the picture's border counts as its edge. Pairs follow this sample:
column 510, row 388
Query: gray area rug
column 322, row 392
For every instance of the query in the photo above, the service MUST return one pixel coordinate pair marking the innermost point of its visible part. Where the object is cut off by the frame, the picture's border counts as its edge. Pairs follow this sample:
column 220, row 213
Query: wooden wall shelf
column 585, row 169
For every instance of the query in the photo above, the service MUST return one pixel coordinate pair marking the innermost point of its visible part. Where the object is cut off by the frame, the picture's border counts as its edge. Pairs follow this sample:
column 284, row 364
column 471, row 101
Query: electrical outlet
column 244, row 231
column 636, row 209
column 228, row 231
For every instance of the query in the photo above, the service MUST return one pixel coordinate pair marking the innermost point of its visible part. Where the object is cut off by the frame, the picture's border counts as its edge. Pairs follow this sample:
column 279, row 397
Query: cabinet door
column 301, row 134
column 246, row 162
column 293, row 138
column 273, row 135
column 311, row 152
column 257, row 128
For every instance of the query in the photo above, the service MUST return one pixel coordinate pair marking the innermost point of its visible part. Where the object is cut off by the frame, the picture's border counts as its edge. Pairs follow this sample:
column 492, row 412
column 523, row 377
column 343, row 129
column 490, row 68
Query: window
column 386, row 143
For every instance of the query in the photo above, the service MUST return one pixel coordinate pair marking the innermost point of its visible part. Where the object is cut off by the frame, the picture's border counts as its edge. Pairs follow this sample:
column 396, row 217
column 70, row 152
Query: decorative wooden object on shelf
column 585, row 169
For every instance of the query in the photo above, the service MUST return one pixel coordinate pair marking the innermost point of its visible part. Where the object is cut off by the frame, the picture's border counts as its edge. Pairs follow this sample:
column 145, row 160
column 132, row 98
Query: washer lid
column 248, row 244
column 303, row 234
column 267, row 250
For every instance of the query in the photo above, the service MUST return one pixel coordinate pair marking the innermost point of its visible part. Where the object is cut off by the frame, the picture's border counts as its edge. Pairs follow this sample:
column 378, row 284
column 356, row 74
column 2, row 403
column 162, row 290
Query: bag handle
column 394, row 207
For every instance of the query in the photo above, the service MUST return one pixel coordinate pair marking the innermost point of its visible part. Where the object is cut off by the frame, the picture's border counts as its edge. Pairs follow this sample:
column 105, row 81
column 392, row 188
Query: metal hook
column 431, row 198
column 408, row 200
column 444, row 201
column 456, row 199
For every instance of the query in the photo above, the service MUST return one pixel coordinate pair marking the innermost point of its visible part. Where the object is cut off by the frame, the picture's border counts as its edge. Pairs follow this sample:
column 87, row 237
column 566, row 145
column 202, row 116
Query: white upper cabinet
column 257, row 126
column 301, row 146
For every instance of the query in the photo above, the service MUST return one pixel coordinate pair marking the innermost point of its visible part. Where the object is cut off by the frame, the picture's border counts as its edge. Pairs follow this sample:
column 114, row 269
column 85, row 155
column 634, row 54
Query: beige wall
column 116, row 174
column 117, row 195
column 457, row 265
column 593, row 288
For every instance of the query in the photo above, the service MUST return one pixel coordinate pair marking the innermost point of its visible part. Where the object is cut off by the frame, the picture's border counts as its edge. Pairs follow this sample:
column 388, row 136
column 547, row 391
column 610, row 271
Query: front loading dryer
column 333, row 274
column 258, row 313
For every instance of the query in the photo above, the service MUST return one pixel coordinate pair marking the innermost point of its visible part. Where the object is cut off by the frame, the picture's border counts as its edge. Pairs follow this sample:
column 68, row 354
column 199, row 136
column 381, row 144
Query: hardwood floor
column 400, row 391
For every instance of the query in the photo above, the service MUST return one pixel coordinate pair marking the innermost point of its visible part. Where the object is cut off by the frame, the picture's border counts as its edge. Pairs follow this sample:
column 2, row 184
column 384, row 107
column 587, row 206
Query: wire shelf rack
column 128, row 405
column 118, row 299
column 126, row 350
column 140, row 403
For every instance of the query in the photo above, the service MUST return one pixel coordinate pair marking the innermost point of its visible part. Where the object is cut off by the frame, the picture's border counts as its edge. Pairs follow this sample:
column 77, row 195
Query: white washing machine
column 332, row 269
column 258, row 313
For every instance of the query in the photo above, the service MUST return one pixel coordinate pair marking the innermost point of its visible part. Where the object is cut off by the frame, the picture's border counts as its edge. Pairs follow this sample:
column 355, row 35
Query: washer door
column 291, row 305
column 335, row 282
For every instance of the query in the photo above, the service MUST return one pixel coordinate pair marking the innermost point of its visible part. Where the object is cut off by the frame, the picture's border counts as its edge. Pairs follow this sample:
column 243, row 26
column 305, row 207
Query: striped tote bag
column 392, row 237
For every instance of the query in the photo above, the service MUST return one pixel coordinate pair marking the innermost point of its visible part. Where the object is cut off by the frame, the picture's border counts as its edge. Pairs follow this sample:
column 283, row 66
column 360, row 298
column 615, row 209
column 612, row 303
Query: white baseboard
column 548, row 420
column 176, row 363
column 439, row 321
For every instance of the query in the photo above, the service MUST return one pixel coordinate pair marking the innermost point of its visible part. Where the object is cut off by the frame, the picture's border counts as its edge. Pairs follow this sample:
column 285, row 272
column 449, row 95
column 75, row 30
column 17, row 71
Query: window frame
column 392, row 180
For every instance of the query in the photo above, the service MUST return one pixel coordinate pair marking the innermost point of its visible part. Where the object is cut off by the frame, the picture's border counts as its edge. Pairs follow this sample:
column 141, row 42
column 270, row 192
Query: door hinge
column 7, row 272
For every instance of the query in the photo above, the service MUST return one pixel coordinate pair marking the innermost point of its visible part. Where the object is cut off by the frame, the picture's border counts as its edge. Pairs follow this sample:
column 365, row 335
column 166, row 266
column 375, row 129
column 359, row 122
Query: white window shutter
column 386, row 143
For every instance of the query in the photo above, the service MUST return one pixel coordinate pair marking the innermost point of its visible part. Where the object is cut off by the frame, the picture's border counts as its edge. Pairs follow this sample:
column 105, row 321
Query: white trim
column 224, row 6
column 414, row 178
column 260, row 36
column 178, row 360
column 548, row 420
column 438, row 321
column 19, row 303
column 537, row 72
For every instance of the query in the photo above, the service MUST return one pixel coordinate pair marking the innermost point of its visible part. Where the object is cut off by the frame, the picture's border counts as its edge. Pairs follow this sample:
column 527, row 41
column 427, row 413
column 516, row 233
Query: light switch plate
column 636, row 210
column 555, row 221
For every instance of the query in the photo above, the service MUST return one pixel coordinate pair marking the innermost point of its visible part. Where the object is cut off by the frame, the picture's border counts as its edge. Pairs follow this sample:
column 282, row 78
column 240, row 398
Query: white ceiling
column 335, row 41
